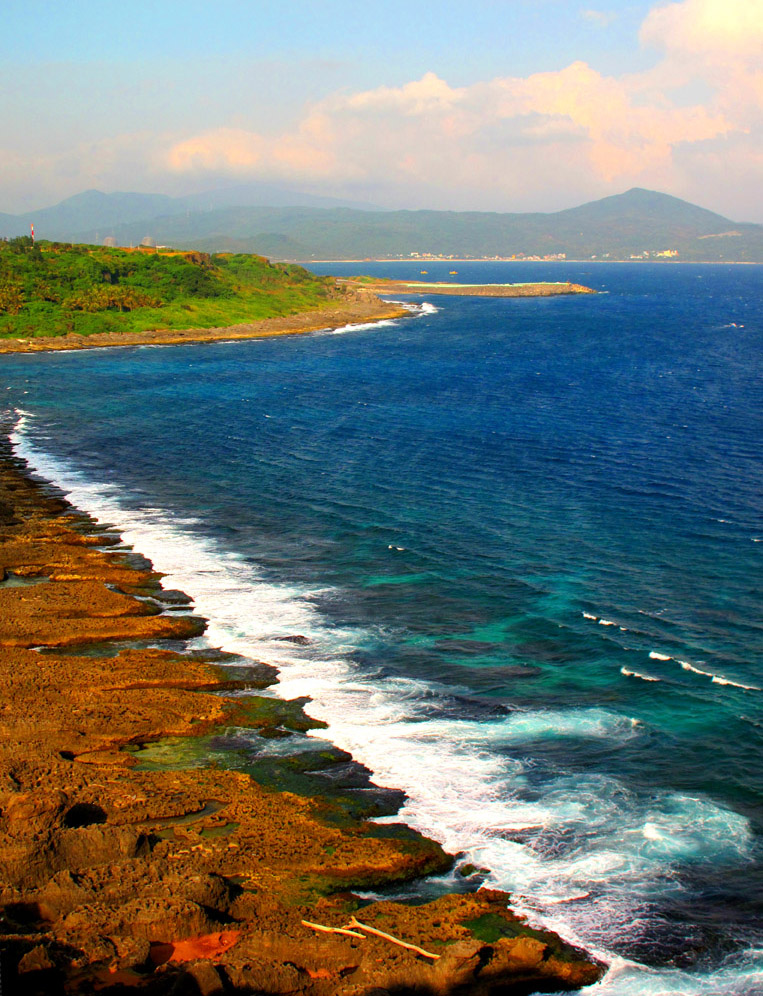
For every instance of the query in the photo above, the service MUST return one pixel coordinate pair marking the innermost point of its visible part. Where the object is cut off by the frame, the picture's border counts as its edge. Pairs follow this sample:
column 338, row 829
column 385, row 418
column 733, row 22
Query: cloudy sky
column 507, row 105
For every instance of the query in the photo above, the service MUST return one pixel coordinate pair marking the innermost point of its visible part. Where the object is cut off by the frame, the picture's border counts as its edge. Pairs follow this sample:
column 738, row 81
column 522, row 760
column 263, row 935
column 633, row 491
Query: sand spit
column 546, row 289
column 130, row 863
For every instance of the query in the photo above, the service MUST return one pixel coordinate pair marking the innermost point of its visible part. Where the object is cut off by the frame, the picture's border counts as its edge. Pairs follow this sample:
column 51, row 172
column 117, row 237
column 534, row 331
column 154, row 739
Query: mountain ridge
column 637, row 224
column 91, row 209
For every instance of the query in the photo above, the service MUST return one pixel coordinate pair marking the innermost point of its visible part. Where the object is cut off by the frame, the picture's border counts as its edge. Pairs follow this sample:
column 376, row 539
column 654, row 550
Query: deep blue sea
column 524, row 537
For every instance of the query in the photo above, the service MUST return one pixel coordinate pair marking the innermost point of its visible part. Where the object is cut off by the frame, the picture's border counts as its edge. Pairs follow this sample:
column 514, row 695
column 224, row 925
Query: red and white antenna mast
column 31, row 229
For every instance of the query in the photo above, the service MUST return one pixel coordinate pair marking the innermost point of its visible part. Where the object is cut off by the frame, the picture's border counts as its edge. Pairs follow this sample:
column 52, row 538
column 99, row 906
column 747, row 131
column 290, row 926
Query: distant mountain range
column 94, row 212
column 277, row 223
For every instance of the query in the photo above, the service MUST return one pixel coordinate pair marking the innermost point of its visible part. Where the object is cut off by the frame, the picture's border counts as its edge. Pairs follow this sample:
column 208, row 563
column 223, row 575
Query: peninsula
column 55, row 296
column 541, row 289
column 62, row 297
column 149, row 845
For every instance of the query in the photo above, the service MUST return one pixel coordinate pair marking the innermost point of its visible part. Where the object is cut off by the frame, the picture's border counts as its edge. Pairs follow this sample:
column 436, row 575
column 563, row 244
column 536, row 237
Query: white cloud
column 498, row 136
column 717, row 41
column 716, row 30
column 428, row 95
column 506, row 137
column 543, row 140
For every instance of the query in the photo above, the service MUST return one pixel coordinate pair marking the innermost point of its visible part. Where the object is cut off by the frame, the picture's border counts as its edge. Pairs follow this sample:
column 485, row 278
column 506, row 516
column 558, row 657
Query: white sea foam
column 418, row 310
column 718, row 680
column 656, row 656
column 739, row 976
column 357, row 327
column 476, row 796
column 696, row 670
column 604, row 622
column 637, row 674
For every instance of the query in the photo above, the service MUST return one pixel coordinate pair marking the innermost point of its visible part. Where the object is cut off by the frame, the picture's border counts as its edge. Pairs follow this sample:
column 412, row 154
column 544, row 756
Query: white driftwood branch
column 332, row 930
column 391, row 939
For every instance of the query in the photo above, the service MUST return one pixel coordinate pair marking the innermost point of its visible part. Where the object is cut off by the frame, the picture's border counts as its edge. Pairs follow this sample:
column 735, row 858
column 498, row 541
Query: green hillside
column 97, row 212
column 52, row 289
column 638, row 223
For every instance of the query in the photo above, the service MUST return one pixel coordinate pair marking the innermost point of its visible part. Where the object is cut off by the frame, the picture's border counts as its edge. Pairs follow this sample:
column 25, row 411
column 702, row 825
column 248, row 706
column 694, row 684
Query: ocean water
column 524, row 538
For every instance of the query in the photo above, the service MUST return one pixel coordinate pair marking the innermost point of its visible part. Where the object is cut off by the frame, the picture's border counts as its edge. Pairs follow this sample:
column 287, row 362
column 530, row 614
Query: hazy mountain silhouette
column 636, row 223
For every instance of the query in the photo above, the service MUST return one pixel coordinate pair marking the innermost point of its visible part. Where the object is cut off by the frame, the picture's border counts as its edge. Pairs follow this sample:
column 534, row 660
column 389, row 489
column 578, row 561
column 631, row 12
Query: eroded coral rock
column 130, row 863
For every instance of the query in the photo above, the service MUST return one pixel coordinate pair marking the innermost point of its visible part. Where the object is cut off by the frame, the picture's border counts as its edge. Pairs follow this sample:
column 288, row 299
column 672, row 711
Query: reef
column 542, row 289
column 147, row 846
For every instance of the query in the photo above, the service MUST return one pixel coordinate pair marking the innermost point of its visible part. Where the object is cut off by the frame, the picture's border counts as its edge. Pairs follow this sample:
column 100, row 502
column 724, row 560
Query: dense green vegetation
column 51, row 288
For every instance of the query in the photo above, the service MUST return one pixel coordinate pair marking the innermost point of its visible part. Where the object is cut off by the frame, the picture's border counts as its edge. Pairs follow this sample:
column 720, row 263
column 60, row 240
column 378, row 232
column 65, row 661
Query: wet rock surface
column 131, row 863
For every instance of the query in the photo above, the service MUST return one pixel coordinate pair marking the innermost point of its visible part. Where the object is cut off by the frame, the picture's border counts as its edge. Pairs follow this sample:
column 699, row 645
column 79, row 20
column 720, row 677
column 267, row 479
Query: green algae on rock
column 137, row 847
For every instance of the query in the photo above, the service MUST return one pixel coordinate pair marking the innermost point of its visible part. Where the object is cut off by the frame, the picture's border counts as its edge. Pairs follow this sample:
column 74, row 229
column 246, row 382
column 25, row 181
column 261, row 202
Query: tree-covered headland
column 51, row 289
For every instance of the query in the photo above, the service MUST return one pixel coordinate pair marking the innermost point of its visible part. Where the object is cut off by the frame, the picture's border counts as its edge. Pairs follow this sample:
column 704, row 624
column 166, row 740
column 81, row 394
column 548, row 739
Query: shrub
column 11, row 298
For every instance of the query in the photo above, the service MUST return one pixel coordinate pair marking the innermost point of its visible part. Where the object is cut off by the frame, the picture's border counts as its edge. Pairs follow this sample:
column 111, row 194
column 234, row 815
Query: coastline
column 130, row 864
column 508, row 259
column 533, row 289
column 363, row 307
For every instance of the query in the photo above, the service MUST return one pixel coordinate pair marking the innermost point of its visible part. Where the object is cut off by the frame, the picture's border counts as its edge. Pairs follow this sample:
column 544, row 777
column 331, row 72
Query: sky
column 489, row 105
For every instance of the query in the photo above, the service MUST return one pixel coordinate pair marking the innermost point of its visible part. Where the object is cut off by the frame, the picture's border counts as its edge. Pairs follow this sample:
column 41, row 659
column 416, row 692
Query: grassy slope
column 52, row 289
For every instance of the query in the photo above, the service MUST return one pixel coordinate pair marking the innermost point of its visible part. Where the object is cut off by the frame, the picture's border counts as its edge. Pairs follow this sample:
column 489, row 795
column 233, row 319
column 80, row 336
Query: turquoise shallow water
column 524, row 538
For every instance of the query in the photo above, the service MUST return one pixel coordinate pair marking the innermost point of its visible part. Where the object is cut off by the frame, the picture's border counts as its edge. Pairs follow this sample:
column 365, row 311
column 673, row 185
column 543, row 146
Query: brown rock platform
column 541, row 289
column 130, row 863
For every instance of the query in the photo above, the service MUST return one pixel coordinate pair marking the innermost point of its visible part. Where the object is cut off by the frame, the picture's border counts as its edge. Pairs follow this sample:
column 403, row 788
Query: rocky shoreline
column 355, row 306
column 131, row 862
